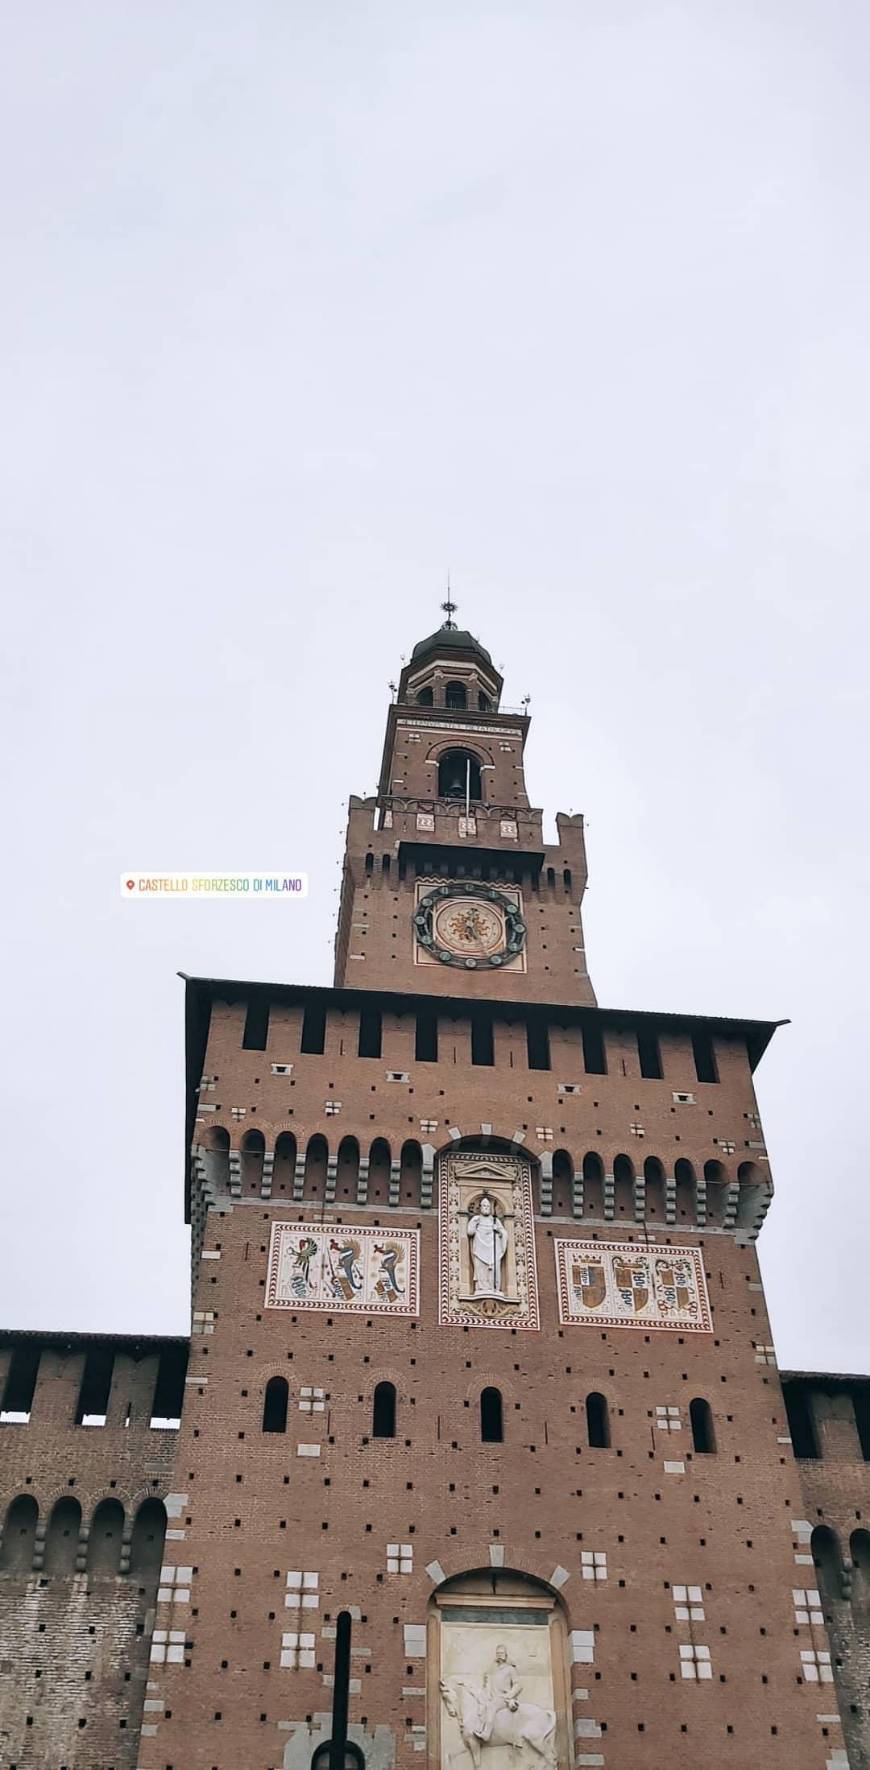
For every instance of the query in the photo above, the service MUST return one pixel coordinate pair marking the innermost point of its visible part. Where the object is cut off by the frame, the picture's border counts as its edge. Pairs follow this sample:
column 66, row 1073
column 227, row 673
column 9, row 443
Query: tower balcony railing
column 400, row 809
column 474, row 713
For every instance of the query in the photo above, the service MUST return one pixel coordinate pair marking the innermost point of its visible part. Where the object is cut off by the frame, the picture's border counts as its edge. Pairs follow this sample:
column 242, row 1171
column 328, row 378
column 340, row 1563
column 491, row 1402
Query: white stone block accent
column 303, row 1591
column 167, row 1647
column 668, row 1419
column 695, row 1662
column 582, row 1644
column 559, row 1577
column 308, row 1450
column 675, row 1468
column 415, row 1640
column 807, row 1605
column 593, row 1564
column 816, row 1667
column 496, row 1555
column 297, row 1651
column 175, row 1503
column 400, row 1557
column 436, row 1573
column 586, row 1729
column 688, row 1604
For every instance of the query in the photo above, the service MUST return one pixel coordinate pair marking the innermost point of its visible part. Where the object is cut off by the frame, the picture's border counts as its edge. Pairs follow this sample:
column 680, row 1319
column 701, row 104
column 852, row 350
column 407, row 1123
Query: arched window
column 384, row 1411
column 316, row 1160
column 484, row 703
column 458, row 772
column 825, row 1549
column 253, row 1150
column 425, row 698
column 19, row 1534
column 149, row 1531
column 703, row 1434
column 347, row 1171
column 370, row 865
column 491, row 1423
column 563, row 1184
column 104, row 1540
column 686, row 1189
column 597, row 1422
column 623, row 1186
column 284, row 1167
column 654, row 1179
column 859, row 1549
column 593, row 1184
column 456, row 696
column 411, row 1172
column 62, row 1539
column 380, row 1162
column 275, row 1405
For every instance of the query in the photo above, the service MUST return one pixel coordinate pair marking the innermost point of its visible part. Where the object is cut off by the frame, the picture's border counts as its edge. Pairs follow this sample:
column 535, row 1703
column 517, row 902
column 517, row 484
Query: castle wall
column 82, row 1546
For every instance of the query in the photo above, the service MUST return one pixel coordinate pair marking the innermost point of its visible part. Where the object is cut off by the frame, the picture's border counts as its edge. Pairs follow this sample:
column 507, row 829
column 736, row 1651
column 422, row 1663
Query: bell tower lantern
column 448, row 886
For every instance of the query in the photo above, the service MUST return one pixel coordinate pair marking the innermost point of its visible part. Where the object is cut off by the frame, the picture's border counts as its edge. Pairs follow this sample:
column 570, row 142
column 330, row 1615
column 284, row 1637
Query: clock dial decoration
column 471, row 926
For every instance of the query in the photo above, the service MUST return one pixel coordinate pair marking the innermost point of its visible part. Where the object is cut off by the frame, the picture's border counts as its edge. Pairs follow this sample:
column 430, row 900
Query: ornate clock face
column 471, row 926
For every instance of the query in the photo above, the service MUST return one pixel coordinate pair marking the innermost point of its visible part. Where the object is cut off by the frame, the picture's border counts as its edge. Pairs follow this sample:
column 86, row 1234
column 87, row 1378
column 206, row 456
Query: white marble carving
column 487, row 1273
column 497, row 1692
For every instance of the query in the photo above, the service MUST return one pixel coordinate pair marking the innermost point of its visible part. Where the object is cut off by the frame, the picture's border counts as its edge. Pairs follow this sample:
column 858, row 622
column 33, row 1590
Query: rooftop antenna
column 449, row 608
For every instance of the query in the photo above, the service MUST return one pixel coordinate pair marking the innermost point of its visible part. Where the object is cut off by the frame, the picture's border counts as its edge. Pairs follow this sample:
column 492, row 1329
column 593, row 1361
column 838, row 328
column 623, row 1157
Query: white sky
column 303, row 303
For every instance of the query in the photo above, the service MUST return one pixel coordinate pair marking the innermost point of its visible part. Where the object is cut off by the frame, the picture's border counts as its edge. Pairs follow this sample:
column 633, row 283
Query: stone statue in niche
column 489, row 1239
column 489, row 1712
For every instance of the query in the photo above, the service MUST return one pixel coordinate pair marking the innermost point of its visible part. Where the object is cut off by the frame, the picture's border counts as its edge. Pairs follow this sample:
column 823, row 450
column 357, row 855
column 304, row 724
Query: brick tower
column 479, row 1351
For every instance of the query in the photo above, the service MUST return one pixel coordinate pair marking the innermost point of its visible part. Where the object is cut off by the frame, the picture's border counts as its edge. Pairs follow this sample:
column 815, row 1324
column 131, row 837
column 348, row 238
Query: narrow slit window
column 426, row 1046
column 384, row 1411
column 705, row 1056
column 801, row 1424
column 256, row 1024
column 275, row 1405
column 20, row 1385
column 313, row 1029
column 93, row 1401
column 649, row 1053
column 597, row 1422
column 491, row 1419
column 594, row 1058
column 369, row 1032
column 482, row 1038
column 703, row 1433
column 538, row 1042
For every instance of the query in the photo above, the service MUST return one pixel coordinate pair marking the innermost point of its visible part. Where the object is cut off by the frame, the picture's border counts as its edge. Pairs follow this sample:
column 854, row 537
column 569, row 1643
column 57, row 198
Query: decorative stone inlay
column 359, row 1271
column 621, row 1284
column 487, row 1271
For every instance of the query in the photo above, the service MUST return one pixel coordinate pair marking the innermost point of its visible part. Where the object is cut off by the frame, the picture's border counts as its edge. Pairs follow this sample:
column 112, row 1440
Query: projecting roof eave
column 200, row 991
column 824, row 1377
column 137, row 1344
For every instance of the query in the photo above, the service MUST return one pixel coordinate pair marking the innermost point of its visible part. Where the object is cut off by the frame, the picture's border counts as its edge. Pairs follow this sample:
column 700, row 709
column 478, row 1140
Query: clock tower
column 447, row 874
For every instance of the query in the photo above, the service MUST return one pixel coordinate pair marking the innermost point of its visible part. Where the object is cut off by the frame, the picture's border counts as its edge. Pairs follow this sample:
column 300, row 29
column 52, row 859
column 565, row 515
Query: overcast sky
column 304, row 303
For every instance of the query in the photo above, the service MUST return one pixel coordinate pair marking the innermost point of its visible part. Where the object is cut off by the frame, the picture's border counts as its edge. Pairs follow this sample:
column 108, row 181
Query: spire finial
column 449, row 608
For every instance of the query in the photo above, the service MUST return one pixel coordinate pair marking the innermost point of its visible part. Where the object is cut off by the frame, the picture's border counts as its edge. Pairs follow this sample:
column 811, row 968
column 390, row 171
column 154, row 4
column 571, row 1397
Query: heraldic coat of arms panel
column 329, row 1266
column 623, row 1284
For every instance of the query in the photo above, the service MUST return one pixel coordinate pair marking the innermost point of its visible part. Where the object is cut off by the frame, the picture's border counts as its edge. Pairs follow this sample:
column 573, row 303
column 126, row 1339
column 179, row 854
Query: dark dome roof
column 451, row 639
